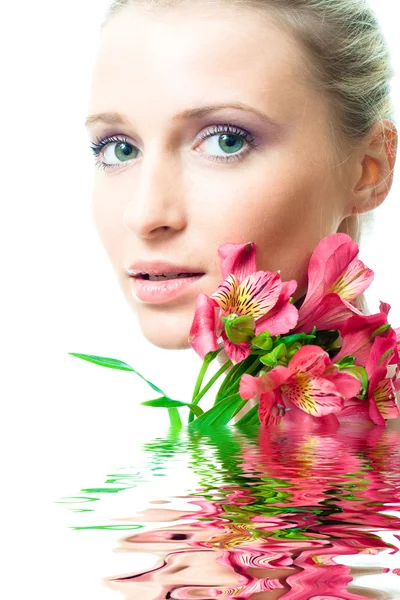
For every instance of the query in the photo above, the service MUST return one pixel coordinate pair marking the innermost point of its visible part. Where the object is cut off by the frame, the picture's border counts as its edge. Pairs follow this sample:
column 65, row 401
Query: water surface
column 250, row 514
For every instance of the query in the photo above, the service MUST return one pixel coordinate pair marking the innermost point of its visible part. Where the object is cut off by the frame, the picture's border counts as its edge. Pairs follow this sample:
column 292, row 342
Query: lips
column 164, row 269
column 164, row 290
column 164, row 276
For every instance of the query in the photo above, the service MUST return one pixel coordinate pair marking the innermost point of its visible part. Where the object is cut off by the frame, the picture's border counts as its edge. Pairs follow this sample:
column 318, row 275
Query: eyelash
column 100, row 143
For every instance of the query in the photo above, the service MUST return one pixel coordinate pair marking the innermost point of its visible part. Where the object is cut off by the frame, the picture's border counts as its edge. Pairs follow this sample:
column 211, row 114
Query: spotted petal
column 385, row 398
column 226, row 294
column 337, row 245
column 268, row 411
column 314, row 395
column 310, row 359
column 236, row 352
column 330, row 313
column 257, row 294
column 353, row 281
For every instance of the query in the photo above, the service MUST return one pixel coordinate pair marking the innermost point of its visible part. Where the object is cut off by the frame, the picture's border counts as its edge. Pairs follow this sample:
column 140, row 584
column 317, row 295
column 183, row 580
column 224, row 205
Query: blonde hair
column 349, row 63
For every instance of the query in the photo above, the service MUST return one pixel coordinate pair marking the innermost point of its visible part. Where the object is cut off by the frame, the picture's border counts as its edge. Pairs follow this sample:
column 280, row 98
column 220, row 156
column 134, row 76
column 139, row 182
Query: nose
column 157, row 207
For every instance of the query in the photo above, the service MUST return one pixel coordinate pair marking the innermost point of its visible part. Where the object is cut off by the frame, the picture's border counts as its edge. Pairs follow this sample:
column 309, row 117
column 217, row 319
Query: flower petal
column 378, row 360
column 275, row 378
column 238, row 259
column 249, row 387
column 326, row 248
column 202, row 336
column 267, row 410
column 236, row 352
column 375, row 414
column 355, row 411
column 283, row 316
column 357, row 336
column 385, row 398
column 310, row 359
column 225, row 296
column 347, row 385
column 283, row 321
column 330, row 313
column 314, row 395
column 257, row 294
column 339, row 260
column 354, row 280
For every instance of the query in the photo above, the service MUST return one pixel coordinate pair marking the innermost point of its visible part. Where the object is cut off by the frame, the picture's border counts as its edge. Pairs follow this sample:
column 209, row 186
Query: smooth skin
column 167, row 197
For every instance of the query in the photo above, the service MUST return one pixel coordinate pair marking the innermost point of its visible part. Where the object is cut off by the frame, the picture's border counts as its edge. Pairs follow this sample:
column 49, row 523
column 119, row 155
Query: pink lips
column 161, row 292
column 158, row 267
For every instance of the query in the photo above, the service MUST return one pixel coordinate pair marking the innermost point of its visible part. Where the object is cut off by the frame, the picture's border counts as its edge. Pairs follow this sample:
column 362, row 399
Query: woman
column 219, row 121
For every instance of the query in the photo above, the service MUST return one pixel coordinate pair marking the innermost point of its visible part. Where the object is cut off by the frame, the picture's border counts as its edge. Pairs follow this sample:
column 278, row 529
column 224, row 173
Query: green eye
column 122, row 151
column 230, row 143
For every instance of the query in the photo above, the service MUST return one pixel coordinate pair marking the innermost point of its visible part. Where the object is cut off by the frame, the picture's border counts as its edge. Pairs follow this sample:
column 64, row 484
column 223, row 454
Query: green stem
column 230, row 388
column 206, row 363
column 226, row 383
column 213, row 379
column 200, row 377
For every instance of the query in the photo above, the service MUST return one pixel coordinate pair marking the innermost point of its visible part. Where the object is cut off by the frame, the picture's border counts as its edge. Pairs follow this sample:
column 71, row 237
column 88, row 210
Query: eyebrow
column 115, row 118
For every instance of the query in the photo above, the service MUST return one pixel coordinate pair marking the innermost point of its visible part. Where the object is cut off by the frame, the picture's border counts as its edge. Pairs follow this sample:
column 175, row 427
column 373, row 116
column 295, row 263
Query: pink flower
column 250, row 301
column 310, row 383
column 360, row 331
column 381, row 388
column 335, row 279
column 381, row 402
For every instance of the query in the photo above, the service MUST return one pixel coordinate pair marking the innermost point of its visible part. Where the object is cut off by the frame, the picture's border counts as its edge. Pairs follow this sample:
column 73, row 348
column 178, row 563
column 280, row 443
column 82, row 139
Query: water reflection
column 296, row 516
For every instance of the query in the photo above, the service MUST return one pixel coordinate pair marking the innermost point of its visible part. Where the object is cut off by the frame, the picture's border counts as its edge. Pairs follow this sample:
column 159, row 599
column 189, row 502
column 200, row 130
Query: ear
column 374, row 169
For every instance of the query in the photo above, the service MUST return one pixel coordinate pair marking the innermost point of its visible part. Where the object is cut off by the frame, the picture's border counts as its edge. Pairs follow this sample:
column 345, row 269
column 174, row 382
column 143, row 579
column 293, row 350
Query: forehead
column 165, row 61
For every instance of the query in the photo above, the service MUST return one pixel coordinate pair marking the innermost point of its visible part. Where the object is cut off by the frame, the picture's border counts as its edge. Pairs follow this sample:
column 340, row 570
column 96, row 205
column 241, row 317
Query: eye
column 226, row 143
column 115, row 150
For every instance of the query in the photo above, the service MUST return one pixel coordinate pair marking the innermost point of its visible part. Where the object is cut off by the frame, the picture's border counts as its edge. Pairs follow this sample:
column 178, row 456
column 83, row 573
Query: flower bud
column 263, row 341
column 239, row 329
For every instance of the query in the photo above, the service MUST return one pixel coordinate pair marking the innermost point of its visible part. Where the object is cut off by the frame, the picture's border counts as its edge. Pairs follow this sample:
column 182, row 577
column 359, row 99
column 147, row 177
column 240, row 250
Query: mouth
column 164, row 287
column 166, row 276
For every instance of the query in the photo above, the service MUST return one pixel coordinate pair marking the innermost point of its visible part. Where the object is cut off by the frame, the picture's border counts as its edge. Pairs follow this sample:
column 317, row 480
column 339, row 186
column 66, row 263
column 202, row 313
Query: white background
column 66, row 421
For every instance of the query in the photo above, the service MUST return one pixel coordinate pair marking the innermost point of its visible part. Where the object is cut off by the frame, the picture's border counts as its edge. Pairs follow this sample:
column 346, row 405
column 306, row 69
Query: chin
column 166, row 331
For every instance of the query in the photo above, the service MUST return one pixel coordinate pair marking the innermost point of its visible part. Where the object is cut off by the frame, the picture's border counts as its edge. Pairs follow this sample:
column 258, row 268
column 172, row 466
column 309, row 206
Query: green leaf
column 113, row 363
column 165, row 402
column 220, row 414
column 174, row 418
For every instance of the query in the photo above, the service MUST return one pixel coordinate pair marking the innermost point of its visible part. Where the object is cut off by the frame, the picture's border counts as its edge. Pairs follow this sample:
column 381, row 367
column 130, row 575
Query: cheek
column 106, row 216
column 285, row 211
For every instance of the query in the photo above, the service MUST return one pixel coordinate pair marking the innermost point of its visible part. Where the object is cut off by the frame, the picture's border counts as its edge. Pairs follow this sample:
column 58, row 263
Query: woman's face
column 169, row 194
